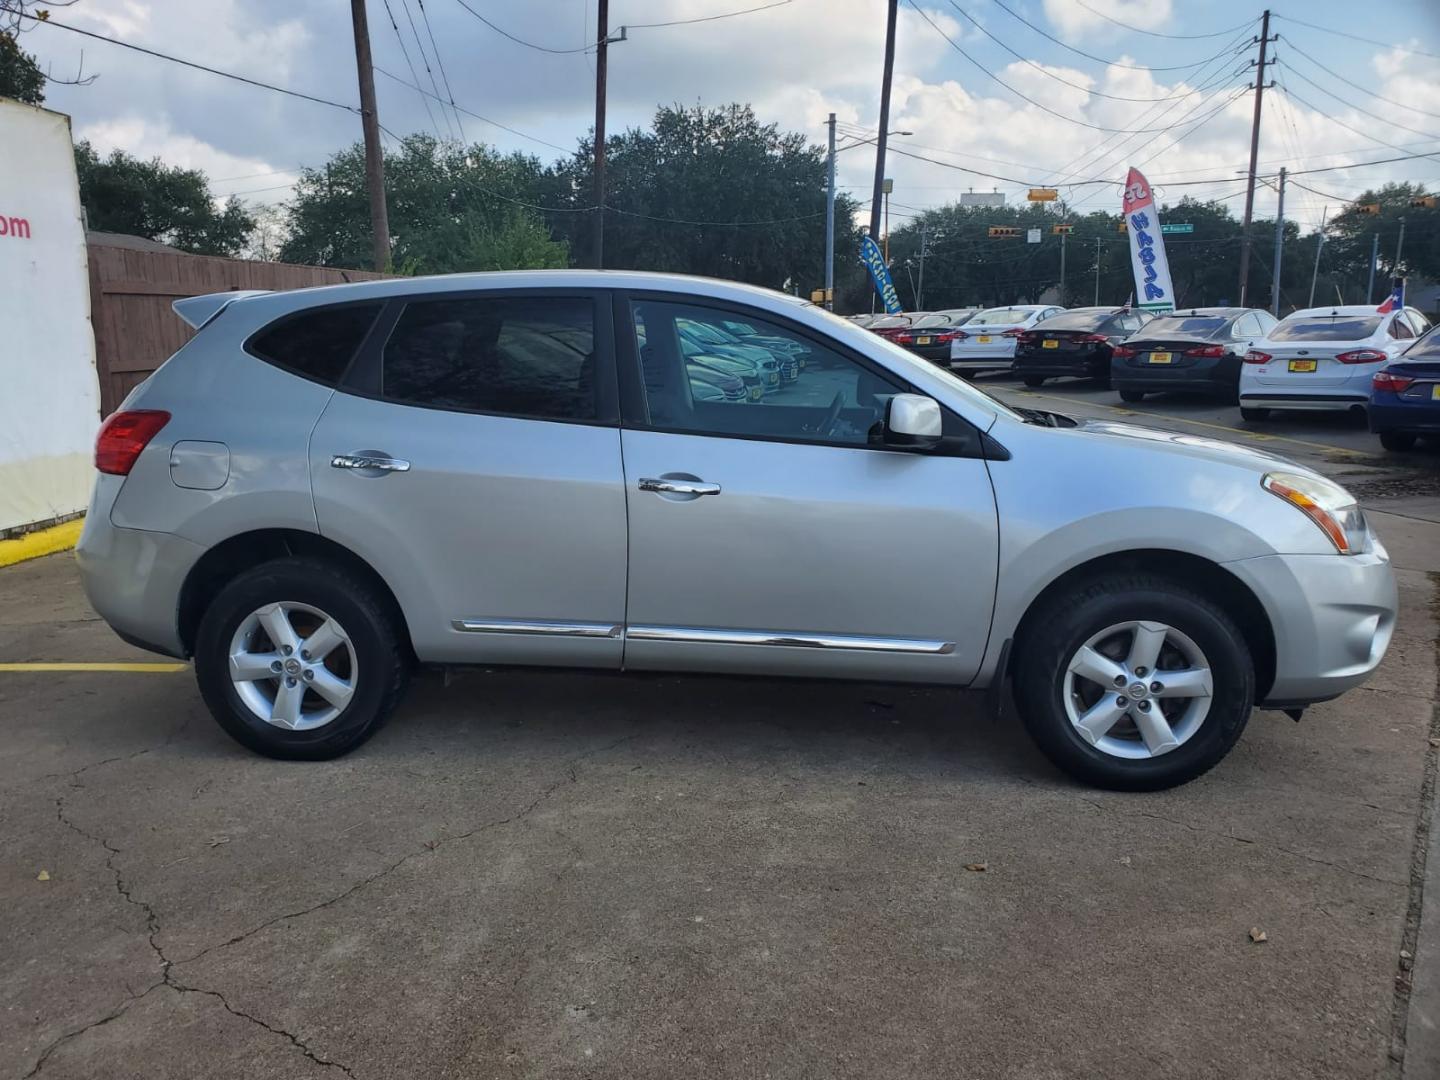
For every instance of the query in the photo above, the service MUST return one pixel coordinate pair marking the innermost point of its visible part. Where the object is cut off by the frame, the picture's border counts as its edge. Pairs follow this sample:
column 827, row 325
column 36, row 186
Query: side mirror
column 912, row 420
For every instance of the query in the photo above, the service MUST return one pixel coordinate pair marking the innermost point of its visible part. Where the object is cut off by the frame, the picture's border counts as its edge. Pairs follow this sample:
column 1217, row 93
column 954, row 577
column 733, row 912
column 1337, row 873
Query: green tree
column 123, row 194
column 20, row 76
column 451, row 208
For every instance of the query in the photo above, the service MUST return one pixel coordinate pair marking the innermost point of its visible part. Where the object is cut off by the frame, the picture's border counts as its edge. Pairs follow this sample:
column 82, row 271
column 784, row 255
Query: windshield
column 1074, row 320
column 1327, row 328
column 928, row 321
column 1185, row 324
column 1003, row 316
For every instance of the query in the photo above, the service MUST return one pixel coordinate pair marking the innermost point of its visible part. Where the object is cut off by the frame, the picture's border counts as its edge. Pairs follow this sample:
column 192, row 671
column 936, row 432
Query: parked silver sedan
column 325, row 486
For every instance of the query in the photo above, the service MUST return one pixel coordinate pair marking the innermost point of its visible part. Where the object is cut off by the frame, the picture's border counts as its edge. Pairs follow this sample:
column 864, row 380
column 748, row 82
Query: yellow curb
column 41, row 542
column 138, row 667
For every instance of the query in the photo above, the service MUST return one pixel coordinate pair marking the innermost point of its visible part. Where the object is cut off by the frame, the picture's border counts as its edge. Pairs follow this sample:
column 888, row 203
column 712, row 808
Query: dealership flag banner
column 1153, row 287
column 875, row 262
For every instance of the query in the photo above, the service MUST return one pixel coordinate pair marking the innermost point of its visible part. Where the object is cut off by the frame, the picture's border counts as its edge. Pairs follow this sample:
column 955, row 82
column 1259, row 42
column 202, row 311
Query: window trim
column 379, row 302
column 365, row 376
column 634, row 415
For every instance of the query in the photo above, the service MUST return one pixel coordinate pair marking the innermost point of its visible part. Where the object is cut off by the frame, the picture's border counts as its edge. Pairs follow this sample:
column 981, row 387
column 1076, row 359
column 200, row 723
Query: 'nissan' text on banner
column 1153, row 288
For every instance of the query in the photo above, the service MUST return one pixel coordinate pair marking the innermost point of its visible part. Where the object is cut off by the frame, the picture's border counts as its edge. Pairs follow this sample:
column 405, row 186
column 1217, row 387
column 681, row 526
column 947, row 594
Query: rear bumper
column 1270, row 399
column 1209, row 376
column 936, row 354
column 1081, row 367
column 133, row 577
column 1421, row 418
column 1332, row 616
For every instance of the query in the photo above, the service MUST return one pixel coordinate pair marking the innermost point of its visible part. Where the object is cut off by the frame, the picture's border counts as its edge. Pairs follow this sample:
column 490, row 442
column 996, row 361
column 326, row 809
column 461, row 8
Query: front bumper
column 1332, row 617
column 133, row 577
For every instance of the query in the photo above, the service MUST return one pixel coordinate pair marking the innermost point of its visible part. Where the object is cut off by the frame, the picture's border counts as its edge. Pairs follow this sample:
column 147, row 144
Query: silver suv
column 325, row 487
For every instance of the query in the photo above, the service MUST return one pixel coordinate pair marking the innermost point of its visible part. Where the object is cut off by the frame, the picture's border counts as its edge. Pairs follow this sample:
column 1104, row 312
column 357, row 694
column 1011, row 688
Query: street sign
column 1032, row 236
column 1043, row 194
column 1180, row 227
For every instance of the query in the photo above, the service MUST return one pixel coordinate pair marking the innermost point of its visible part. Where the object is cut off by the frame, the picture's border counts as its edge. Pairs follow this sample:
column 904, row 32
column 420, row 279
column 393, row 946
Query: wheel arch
column 1196, row 571
column 233, row 556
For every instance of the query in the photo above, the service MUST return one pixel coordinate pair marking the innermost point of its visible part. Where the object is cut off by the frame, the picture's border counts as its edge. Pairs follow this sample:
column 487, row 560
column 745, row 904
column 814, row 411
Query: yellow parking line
column 1255, row 435
column 137, row 667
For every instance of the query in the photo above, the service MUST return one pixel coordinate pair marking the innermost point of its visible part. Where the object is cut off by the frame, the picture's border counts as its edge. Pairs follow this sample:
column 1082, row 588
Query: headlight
column 1328, row 505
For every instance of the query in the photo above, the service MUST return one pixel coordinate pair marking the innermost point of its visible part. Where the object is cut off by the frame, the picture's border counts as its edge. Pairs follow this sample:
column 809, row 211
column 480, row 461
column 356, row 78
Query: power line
column 1363, row 134
column 413, row 74
column 1100, row 59
column 1044, row 108
column 521, row 41
column 420, row 46
column 707, row 18
column 1363, row 89
column 686, row 221
column 477, row 116
column 191, row 64
column 444, row 77
column 1356, row 37
column 1374, row 116
column 1156, row 33
column 1051, row 75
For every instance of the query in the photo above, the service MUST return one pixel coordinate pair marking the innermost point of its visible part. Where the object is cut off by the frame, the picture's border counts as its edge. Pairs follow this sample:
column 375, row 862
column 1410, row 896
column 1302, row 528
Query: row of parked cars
column 1384, row 362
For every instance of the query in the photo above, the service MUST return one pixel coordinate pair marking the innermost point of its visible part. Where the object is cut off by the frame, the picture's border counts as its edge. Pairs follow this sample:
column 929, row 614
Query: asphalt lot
column 559, row 874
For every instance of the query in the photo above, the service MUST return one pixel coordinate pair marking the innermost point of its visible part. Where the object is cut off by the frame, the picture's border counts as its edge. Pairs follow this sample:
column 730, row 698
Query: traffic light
column 1122, row 227
column 1061, row 230
column 1043, row 194
column 1368, row 208
column 1427, row 201
column 1003, row 230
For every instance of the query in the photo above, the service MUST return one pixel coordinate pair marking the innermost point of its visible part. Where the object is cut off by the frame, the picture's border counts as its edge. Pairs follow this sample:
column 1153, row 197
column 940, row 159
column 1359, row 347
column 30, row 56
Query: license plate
column 1435, row 391
column 1302, row 365
column 1050, row 343
column 755, row 393
column 773, row 377
column 1162, row 358
column 922, row 341
column 983, row 339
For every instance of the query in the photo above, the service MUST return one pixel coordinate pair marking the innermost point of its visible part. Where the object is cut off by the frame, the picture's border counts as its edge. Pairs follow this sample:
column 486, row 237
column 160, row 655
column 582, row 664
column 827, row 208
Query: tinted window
column 890, row 321
column 1327, row 328
column 927, row 321
column 1076, row 320
column 1184, row 324
column 1427, row 348
column 795, row 387
column 316, row 344
column 521, row 356
column 1002, row 317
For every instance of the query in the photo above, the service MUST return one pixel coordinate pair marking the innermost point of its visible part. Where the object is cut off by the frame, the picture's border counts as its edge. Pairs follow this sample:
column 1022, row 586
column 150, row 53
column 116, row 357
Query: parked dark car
column 1405, row 396
column 887, row 326
column 1075, row 342
column 930, row 335
column 1199, row 350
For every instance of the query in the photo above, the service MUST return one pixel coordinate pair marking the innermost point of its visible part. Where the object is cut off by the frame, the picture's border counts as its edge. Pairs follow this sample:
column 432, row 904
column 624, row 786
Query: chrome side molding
column 791, row 639
column 542, row 627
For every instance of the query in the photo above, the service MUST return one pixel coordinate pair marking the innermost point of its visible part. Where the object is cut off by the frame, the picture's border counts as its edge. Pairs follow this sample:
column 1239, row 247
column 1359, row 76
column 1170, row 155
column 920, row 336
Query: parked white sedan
column 987, row 342
column 1324, row 358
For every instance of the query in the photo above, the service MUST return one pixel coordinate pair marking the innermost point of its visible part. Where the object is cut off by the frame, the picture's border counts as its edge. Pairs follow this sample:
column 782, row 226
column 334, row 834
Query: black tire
column 1254, row 414
column 1132, row 396
column 1033, row 381
column 1399, row 441
column 1054, row 635
column 381, row 663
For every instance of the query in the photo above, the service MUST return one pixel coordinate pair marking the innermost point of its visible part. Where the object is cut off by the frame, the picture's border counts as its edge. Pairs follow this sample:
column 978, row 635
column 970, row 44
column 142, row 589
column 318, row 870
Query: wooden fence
column 130, row 295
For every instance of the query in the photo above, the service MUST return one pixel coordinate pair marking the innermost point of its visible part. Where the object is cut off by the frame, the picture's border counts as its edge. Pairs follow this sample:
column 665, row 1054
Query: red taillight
column 959, row 335
column 1123, row 352
column 948, row 335
column 1093, row 339
column 1209, row 351
column 1387, row 380
column 123, row 436
column 1011, row 333
column 1255, row 356
column 1029, row 337
column 1361, row 356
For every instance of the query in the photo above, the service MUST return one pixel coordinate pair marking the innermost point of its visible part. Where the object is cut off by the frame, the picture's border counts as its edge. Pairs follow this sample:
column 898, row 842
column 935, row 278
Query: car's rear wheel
column 1398, row 441
column 1247, row 413
column 1033, row 381
column 299, row 659
column 1132, row 396
column 1134, row 682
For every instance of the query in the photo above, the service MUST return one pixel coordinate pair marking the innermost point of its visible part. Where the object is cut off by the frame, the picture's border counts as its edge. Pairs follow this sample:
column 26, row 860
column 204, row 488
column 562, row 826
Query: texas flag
column 1395, row 301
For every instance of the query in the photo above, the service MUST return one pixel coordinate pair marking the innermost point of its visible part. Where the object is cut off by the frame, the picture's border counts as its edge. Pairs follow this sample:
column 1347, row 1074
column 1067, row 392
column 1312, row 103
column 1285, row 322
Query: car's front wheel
column 1134, row 682
column 299, row 658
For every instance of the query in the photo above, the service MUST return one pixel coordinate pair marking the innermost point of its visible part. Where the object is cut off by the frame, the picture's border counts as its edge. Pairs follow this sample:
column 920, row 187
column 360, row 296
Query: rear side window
column 516, row 356
column 1427, row 348
column 317, row 344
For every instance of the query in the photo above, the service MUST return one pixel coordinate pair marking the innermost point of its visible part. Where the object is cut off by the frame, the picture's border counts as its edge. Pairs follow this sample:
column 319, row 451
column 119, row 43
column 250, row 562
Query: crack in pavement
column 1264, row 844
column 428, row 848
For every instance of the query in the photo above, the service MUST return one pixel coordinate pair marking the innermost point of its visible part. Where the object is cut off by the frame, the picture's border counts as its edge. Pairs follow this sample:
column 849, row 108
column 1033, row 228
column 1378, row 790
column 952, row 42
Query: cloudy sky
column 1034, row 91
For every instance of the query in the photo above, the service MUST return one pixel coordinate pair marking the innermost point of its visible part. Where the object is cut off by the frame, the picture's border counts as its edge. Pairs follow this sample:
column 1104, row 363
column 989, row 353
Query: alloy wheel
column 292, row 665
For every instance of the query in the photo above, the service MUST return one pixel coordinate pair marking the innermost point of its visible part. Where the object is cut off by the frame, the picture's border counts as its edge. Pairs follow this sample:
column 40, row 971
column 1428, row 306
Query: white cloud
column 1070, row 18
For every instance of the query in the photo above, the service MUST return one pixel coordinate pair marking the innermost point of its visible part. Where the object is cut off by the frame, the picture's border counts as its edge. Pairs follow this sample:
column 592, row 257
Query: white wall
column 49, row 393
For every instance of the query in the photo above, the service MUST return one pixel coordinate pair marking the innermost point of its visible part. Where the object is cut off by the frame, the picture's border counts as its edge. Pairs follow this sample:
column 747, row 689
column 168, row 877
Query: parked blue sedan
column 1405, row 396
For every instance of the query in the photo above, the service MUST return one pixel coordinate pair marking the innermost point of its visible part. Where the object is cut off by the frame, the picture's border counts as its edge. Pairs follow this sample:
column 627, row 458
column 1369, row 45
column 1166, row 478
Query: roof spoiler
column 199, row 310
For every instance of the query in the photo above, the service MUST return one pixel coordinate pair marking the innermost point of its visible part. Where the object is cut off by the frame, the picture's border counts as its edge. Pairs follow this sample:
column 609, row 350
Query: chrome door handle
column 679, row 487
column 369, row 461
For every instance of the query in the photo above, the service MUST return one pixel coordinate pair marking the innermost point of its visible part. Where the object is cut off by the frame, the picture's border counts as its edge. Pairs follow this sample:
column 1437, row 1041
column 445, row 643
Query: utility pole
column 1319, row 243
column 889, row 186
column 1399, row 247
column 1062, row 269
column 1374, row 257
column 1097, row 271
column 1254, row 152
column 602, row 43
column 920, row 289
column 370, row 125
column 893, row 7
column 830, row 219
column 1279, row 247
